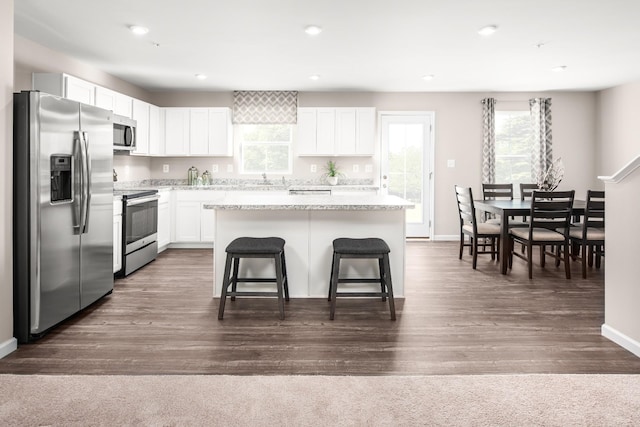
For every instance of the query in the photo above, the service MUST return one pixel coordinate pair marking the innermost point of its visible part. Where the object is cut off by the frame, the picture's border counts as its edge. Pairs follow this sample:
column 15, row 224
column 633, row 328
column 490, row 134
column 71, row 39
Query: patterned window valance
column 265, row 107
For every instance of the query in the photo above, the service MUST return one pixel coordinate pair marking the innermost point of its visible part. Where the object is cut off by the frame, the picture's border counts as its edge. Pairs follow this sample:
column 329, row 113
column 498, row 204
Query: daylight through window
column 514, row 138
column 265, row 148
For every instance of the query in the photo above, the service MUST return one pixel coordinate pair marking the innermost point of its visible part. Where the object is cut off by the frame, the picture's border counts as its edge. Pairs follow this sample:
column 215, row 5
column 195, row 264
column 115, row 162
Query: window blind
column 265, row 107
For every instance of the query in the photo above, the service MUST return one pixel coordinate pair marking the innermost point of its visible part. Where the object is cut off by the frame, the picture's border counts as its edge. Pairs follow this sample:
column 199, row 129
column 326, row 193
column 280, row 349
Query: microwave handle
column 129, row 130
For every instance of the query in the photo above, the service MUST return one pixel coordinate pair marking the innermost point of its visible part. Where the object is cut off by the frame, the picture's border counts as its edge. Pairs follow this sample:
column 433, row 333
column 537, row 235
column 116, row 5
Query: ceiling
column 365, row 45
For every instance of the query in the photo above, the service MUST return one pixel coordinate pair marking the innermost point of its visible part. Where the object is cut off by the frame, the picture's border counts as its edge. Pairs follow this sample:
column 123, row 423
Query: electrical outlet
column 214, row 168
column 368, row 168
column 313, row 168
column 451, row 163
column 356, row 168
column 165, row 168
column 229, row 168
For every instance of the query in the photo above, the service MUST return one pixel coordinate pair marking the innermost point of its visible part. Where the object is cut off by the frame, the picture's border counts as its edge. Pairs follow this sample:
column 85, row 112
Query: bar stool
column 361, row 248
column 254, row 247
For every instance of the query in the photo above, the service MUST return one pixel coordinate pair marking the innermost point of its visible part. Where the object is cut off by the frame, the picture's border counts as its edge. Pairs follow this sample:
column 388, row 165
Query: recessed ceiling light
column 201, row 76
column 312, row 30
column 488, row 30
column 138, row 30
column 315, row 77
column 559, row 68
column 428, row 77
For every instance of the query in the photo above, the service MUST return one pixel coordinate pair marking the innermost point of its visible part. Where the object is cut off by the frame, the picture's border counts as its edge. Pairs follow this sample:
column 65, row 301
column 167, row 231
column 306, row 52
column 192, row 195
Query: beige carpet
column 469, row 400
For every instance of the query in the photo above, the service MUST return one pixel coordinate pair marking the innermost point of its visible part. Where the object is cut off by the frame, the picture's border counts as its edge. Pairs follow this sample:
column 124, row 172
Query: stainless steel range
column 139, row 229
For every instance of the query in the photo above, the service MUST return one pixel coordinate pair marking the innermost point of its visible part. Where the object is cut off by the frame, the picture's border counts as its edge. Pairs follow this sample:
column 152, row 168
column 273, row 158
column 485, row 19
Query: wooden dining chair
column 469, row 226
column 587, row 238
column 549, row 223
column 496, row 192
column 526, row 190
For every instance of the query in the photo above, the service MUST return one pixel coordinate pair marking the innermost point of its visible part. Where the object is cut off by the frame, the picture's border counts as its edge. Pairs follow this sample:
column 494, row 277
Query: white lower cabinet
column 117, row 235
column 164, row 220
column 194, row 223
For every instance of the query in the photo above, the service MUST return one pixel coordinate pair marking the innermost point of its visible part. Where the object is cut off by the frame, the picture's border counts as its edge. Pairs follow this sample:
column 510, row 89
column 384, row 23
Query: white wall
column 619, row 143
column 7, row 342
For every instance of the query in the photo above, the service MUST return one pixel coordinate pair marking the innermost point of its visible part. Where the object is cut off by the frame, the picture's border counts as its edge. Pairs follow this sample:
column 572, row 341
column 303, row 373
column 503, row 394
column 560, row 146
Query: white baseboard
column 446, row 237
column 8, row 347
column 621, row 339
column 194, row 245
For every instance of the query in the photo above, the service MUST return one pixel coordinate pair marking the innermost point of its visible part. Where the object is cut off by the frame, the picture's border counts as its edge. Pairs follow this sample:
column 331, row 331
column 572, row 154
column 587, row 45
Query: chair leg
column 389, row 286
column 475, row 253
column 567, row 266
column 493, row 249
column 333, row 261
column 590, row 249
column 461, row 245
column 285, row 278
column 234, row 279
column 225, row 286
column 381, row 270
column 334, row 284
column 558, row 256
column 598, row 256
column 530, row 259
column 584, row 260
column 542, row 256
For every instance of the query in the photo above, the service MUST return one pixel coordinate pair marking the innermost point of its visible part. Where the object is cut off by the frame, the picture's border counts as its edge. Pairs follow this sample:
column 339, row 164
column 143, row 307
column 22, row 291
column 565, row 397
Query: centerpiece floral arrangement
column 550, row 179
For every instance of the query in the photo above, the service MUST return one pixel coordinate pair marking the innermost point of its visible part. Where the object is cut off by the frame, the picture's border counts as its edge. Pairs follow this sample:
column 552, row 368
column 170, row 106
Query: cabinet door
column 220, row 132
column 123, row 105
column 117, row 243
column 164, row 225
column 345, row 131
column 199, row 131
column 105, row 98
column 187, row 221
column 176, row 131
column 366, row 131
column 141, row 116
column 156, row 146
column 306, row 140
column 79, row 90
column 325, row 131
column 207, row 224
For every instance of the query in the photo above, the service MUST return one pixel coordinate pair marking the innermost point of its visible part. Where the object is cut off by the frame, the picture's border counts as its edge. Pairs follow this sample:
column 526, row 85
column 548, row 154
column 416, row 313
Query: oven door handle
column 141, row 200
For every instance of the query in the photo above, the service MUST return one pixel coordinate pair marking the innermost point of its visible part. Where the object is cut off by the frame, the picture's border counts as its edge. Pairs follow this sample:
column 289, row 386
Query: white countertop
column 362, row 202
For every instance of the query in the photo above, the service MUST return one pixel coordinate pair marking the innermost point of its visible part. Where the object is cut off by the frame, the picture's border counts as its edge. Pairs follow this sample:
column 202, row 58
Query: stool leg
column 387, row 279
column 285, row 278
column 331, row 278
column 333, row 285
column 234, row 280
column 382, row 287
column 279, row 283
column 225, row 285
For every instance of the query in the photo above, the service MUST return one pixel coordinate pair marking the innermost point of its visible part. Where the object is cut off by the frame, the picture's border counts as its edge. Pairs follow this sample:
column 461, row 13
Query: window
column 265, row 148
column 514, row 139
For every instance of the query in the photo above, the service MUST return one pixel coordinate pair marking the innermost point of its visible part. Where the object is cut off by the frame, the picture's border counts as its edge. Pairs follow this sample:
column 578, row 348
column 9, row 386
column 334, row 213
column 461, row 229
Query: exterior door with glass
column 406, row 165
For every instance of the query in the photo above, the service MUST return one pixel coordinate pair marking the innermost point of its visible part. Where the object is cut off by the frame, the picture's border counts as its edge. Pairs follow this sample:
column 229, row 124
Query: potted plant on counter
column 331, row 172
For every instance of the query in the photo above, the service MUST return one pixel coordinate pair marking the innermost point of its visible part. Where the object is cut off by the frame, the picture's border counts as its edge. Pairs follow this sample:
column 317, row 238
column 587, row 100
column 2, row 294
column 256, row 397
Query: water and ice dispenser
column 61, row 178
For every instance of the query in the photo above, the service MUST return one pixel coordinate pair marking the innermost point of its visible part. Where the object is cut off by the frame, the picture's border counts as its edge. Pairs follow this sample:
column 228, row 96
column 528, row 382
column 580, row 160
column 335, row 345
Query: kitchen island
column 309, row 223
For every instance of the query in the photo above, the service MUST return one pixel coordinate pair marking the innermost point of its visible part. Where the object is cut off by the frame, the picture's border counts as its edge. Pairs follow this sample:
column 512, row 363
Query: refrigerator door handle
column 84, row 206
column 87, row 181
column 78, row 188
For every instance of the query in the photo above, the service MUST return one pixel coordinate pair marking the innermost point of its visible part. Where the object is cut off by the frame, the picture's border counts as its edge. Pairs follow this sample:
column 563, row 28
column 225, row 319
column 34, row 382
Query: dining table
column 516, row 208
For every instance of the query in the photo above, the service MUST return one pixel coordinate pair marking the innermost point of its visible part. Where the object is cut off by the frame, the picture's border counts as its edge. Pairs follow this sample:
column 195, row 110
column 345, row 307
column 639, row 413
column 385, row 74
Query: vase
column 332, row 180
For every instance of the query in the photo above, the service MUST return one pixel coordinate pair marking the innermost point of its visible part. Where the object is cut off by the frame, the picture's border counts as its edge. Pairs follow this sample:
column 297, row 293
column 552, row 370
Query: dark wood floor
column 454, row 320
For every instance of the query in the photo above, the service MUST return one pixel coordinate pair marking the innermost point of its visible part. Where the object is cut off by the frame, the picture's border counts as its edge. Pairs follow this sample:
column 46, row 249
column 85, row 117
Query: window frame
column 242, row 144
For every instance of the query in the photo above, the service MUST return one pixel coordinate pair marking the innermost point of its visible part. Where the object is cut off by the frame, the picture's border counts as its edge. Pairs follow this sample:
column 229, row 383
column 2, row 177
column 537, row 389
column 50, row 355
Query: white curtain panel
column 265, row 107
column 488, row 140
column 542, row 153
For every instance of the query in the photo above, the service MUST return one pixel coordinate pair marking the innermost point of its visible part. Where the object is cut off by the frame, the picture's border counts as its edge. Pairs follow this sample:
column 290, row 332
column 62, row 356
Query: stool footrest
column 252, row 294
column 362, row 294
column 256, row 280
column 359, row 280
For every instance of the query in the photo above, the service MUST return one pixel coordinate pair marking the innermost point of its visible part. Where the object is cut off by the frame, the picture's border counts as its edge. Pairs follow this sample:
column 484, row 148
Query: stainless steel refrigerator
column 63, row 210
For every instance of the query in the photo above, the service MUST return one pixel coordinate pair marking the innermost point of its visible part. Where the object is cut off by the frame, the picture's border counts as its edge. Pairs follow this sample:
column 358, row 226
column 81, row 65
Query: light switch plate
column 356, row 168
column 313, row 168
column 368, row 168
column 451, row 163
column 214, row 168
column 165, row 168
column 229, row 168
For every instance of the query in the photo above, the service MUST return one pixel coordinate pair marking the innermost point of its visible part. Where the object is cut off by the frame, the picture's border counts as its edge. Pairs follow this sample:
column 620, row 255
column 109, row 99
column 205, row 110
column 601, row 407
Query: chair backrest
column 551, row 210
column 497, row 191
column 594, row 212
column 526, row 190
column 466, row 208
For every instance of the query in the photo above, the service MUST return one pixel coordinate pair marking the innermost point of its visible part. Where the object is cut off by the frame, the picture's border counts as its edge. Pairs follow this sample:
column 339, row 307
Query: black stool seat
column 361, row 248
column 254, row 247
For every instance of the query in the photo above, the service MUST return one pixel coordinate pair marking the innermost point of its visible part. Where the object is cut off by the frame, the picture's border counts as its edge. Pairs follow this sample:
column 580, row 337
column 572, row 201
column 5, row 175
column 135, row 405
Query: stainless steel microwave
column 124, row 133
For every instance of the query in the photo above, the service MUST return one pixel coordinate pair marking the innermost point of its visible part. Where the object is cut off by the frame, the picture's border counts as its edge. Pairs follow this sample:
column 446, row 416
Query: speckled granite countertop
column 245, row 185
column 362, row 202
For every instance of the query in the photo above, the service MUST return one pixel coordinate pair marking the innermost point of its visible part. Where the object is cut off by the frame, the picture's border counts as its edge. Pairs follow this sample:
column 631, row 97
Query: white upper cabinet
column 220, row 132
column 156, row 132
column 199, row 131
column 65, row 86
column 114, row 101
column 176, row 131
column 141, row 115
column 336, row 131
